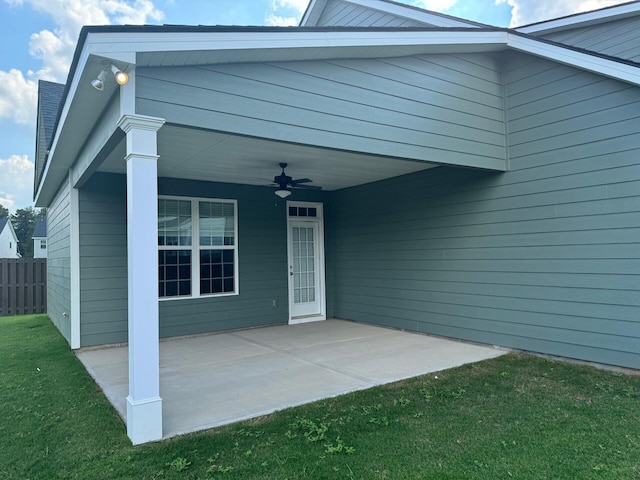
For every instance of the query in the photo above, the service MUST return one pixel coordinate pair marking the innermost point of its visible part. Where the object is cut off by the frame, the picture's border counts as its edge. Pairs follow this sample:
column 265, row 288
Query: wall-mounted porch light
column 98, row 83
column 122, row 78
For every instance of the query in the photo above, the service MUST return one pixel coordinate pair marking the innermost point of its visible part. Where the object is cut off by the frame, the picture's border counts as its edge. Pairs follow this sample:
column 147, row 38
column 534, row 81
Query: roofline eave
column 110, row 43
column 584, row 19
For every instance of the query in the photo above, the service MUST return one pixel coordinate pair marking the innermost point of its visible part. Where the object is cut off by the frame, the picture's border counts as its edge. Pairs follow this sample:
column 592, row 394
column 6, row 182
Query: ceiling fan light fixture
column 283, row 192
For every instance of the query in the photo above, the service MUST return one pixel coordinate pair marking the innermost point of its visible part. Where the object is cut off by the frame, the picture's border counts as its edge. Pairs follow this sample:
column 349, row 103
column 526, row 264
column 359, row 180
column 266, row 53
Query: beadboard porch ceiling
column 195, row 154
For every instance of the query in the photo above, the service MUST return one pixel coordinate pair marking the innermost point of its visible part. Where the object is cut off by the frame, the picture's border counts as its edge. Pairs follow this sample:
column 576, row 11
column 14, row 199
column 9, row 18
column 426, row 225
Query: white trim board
column 584, row 61
column 583, row 19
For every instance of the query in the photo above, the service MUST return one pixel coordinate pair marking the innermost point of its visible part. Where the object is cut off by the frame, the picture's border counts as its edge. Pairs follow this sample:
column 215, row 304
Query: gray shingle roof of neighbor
column 50, row 97
column 40, row 230
column 3, row 222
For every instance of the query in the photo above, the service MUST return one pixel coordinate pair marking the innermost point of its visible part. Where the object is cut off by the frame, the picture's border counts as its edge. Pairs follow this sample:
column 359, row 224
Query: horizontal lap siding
column 545, row 257
column 620, row 38
column 344, row 14
column 103, row 260
column 103, row 245
column 262, row 262
column 59, row 260
column 435, row 108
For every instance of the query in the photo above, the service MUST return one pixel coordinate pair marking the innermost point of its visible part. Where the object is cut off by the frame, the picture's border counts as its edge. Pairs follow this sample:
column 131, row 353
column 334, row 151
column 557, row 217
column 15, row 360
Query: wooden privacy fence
column 23, row 286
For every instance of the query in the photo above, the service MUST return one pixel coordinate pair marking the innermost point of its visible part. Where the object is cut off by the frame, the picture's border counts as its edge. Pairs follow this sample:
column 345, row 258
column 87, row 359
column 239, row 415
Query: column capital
column 140, row 122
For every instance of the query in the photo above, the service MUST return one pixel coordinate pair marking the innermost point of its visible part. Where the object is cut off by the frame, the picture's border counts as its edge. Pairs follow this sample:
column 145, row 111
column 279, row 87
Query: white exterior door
column 306, row 262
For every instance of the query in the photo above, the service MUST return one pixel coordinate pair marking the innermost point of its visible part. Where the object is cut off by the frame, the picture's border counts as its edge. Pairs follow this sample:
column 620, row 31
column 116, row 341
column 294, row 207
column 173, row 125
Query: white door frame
column 319, row 221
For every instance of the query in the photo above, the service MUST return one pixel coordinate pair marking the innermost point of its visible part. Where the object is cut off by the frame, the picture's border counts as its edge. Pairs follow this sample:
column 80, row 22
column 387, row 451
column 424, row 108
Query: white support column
column 144, row 405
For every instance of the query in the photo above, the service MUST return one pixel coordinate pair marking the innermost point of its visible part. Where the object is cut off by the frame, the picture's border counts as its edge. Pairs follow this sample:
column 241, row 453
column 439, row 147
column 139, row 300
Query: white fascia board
column 413, row 14
column 62, row 166
column 592, row 63
column 583, row 20
column 106, row 44
column 82, row 61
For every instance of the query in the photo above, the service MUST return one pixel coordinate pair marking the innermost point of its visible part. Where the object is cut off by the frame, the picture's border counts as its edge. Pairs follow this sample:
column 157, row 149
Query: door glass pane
column 303, row 264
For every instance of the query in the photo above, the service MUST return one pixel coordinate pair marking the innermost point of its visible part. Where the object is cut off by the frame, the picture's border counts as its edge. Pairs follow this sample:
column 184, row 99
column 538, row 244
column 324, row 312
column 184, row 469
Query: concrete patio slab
column 213, row 380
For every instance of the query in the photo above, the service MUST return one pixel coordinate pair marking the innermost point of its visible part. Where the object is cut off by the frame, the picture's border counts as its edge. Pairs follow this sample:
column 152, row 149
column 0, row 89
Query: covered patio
column 212, row 380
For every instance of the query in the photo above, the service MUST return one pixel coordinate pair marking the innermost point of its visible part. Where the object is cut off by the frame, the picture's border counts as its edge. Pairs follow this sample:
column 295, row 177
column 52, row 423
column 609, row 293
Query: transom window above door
column 197, row 247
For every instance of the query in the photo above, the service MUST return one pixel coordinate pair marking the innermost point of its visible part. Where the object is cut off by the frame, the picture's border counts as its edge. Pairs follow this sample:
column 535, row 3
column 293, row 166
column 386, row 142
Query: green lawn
column 511, row 417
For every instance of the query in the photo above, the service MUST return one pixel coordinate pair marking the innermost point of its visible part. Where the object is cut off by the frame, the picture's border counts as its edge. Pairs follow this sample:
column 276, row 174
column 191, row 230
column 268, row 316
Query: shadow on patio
column 213, row 380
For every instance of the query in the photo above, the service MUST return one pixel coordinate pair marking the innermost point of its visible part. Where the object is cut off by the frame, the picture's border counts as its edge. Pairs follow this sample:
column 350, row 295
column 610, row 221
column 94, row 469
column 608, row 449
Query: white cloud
column 524, row 12
column 18, row 97
column 299, row 5
column 285, row 13
column 435, row 5
column 55, row 47
column 16, row 181
column 278, row 21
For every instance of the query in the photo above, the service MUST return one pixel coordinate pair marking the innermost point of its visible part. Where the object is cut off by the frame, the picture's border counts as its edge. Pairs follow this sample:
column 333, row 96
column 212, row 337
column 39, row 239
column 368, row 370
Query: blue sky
column 37, row 39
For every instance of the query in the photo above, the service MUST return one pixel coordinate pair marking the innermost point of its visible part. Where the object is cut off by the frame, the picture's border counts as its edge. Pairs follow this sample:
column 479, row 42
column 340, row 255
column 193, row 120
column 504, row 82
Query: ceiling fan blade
column 301, row 180
column 307, row 187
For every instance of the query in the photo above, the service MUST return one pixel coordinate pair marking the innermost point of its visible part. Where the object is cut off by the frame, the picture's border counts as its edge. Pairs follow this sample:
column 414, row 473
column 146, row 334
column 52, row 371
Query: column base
column 144, row 420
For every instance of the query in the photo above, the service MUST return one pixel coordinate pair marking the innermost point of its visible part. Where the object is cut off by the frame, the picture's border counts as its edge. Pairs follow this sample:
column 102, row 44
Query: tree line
column 24, row 221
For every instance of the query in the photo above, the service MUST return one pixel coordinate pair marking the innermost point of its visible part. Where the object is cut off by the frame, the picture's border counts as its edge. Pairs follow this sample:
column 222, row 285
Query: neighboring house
column 8, row 240
column 479, row 183
column 40, row 239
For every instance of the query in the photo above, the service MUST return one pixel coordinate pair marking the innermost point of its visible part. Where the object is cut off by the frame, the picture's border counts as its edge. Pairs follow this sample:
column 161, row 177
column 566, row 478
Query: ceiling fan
column 284, row 181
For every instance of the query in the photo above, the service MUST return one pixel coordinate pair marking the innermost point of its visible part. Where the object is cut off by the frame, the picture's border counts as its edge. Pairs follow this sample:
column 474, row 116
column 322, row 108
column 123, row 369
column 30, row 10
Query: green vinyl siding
column 59, row 260
column 262, row 262
column 619, row 38
column 544, row 257
column 262, row 258
column 437, row 108
column 103, row 260
column 346, row 14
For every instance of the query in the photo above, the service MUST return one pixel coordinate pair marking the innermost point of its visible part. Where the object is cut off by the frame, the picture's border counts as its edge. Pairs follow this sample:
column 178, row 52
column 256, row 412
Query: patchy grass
column 510, row 417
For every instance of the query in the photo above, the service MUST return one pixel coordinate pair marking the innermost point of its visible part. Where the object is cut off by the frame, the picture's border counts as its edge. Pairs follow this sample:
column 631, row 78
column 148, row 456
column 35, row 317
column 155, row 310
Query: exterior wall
column 620, row 38
column 436, row 108
column 59, row 260
column 38, row 251
column 8, row 243
column 262, row 257
column 103, row 260
column 545, row 257
column 344, row 14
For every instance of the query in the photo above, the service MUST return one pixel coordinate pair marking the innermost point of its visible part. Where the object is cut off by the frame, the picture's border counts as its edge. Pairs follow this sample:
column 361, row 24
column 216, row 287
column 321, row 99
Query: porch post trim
column 144, row 404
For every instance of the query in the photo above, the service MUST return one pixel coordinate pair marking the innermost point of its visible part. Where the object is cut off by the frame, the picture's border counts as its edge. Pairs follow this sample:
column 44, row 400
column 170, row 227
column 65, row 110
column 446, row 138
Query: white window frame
column 195, row 248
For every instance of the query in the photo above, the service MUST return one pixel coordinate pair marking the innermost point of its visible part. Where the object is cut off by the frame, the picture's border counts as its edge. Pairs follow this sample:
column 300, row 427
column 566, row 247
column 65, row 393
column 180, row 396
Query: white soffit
column 197, row 48
column 192, row 48
column 583, row 19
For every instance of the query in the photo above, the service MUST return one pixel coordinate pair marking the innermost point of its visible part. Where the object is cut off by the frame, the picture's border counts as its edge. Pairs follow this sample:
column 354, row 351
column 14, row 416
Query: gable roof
column 316, row 7
column 179, row 45
column 584, row 19
column 49, row 98
column 40, row 230
column 6, row 223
